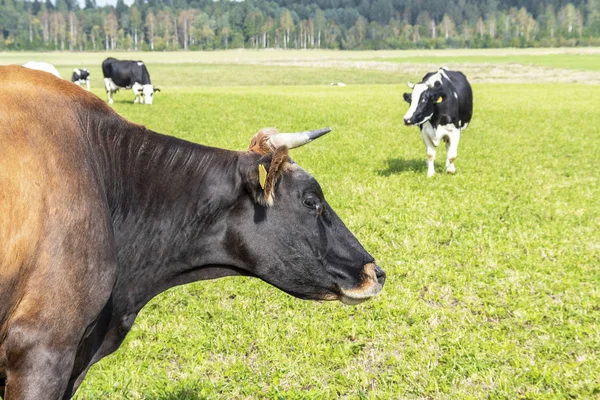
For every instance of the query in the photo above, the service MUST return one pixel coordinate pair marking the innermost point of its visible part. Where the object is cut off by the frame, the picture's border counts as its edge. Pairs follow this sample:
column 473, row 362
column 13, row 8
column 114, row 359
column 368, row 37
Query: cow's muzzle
column 408, row 122
column 373, row 279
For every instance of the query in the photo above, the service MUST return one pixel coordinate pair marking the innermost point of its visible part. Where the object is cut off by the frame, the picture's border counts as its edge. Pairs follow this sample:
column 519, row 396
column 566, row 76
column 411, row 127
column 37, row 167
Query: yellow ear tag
column 439, row 100
column 262, row 175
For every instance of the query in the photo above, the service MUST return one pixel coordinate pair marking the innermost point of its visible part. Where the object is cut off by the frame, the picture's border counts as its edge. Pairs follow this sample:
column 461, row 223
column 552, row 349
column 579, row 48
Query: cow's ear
column 260, row 141
column 264, row 174
column 279, row 162
column 407, row 97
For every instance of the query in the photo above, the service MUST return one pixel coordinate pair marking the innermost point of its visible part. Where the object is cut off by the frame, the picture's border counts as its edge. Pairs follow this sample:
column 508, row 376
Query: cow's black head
column 293, row 239
column 422, row 103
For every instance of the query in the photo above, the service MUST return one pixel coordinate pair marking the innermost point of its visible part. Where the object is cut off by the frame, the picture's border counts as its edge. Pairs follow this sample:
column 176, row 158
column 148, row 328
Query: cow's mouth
column 372, row 281
column 357, row 298
column 372, row 284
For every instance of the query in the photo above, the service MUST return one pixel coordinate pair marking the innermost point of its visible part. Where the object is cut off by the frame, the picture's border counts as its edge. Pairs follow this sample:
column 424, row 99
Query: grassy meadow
column 493, row 286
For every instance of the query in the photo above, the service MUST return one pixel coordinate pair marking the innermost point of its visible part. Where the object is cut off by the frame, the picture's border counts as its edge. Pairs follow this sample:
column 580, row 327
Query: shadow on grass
column 399, row 165
column 123, row 101
column 181, row 394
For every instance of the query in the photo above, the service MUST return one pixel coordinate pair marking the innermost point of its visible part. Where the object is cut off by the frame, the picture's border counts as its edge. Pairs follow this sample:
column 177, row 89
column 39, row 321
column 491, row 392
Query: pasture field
column 263, row 68
column 572, row 61
column 493, row 286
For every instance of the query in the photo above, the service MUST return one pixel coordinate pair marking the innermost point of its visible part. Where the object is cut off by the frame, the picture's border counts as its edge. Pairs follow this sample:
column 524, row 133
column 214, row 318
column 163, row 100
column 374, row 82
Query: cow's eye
column 310, row 202
column 313, row 203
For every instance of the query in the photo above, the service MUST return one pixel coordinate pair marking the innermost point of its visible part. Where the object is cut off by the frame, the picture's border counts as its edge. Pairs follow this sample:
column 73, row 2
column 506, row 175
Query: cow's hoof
column 430, row 174
column 110, row 102
column 451, row 169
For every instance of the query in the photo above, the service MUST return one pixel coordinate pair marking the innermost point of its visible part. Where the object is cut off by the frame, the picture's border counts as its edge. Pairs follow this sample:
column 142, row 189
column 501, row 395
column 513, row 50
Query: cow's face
column 147, row 92
column 422, row 103
column 290, row 236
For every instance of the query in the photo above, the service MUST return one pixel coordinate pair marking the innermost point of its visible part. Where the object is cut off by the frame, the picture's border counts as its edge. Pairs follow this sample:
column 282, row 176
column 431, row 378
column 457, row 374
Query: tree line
column 331, row 24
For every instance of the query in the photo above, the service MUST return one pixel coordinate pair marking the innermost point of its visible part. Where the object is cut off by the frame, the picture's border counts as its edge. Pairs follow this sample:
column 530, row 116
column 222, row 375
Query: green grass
column 493, row 286
column 223, row 75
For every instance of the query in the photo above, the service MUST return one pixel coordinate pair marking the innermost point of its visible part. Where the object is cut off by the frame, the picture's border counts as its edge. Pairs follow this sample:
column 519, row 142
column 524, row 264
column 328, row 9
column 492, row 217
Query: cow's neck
column 168, row 199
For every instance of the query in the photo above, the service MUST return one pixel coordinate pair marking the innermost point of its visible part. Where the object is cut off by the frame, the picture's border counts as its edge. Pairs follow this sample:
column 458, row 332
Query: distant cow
column 130, row 75
column 441, row 106
column 42, row 66
column 81, row 76
column 98, row 215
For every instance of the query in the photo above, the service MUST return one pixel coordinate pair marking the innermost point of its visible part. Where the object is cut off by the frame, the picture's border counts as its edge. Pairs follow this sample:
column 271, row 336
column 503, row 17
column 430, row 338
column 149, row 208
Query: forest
column 159, row 25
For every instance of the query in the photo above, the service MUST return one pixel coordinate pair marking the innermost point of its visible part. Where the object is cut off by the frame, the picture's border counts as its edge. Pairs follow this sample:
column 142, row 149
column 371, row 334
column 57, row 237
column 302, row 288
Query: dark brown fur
column 280, row 162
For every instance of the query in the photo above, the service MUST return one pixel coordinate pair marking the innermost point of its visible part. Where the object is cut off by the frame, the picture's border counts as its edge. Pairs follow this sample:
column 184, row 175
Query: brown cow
column 98, row 215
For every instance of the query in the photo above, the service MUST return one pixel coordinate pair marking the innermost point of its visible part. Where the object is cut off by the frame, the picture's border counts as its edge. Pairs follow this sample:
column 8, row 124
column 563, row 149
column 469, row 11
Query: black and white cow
column 130, row 75
column 81, row 76
column 441, row 106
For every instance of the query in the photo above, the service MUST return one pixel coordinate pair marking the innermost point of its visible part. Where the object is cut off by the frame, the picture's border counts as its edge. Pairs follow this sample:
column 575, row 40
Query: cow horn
column 297, row 139
column 410, row 84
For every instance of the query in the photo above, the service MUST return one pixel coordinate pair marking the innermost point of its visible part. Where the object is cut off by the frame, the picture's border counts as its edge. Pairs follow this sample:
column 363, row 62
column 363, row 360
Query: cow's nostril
column 380, row 274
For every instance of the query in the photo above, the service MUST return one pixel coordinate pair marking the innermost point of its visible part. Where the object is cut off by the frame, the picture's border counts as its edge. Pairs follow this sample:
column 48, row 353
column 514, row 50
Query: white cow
column 42, row 66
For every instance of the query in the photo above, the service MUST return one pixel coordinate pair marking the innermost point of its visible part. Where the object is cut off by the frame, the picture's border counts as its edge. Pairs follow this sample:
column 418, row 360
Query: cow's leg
column 112, row 339
column 62, row 302
column 452, row 149
column 430, row 159
column 136, row 88
column 40, row 362
column 42, row 345
column 430, row 146
column 109, row 89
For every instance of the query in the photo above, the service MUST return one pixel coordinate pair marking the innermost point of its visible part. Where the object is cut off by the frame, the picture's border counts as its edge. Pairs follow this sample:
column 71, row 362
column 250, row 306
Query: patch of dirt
column 477, row 73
